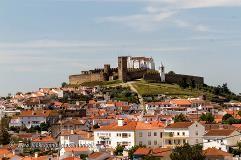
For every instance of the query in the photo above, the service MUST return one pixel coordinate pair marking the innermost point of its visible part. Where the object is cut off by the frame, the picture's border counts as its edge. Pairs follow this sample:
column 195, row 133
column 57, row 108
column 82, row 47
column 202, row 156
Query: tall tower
column 122, row 68
column 162, row 73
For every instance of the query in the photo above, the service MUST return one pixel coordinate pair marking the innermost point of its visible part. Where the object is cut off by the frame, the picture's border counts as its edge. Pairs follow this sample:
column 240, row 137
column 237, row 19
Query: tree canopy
column 180, row 118
column 187, row 152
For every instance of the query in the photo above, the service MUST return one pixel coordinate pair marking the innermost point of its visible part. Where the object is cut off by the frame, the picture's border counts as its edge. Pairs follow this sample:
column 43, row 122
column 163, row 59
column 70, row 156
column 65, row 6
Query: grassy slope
column 145, row 88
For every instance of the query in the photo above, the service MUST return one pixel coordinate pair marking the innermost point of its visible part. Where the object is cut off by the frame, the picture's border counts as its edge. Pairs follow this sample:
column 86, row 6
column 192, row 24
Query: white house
column 129, row 134
column 221, row 139
column 76, row 138
column 180, row 133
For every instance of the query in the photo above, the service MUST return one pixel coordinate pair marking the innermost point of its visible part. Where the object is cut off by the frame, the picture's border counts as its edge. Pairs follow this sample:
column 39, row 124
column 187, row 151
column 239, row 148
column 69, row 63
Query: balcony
column 104, row 137
column 170, row 135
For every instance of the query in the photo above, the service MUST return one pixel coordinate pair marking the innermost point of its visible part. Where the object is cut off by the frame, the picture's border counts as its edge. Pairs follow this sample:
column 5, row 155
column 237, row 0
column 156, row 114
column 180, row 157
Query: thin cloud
column 188, row 25
column 141, row 22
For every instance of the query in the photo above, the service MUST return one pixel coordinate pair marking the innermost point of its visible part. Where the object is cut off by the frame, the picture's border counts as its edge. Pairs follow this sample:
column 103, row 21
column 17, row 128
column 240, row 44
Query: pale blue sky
column 43, row 41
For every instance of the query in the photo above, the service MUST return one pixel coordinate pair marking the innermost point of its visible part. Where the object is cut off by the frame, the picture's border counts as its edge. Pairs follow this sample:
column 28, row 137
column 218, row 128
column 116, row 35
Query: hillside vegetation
column 150, row 89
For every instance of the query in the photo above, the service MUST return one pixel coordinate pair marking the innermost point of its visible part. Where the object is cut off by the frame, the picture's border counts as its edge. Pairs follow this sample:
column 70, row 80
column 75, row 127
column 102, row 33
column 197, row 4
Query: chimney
column 120, row 122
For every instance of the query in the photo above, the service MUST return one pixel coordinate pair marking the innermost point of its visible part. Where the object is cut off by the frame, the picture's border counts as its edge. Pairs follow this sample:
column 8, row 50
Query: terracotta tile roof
column 161, row 152
column 213, row 152
column 76, row 149
column 130, row 126
column 180, row 102
column 158, row 103
column 95, row 155
column 179, row 125
column 83, row 134
column 142, row 151
column 44, row 139
column 71, row 158
column 219, row 132
column 37, row 158
column 4, row 151
column 38, row 113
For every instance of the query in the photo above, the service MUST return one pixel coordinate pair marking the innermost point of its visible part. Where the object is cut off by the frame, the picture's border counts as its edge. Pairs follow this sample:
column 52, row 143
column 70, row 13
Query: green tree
column 4, row 135
column 180, row 118
column 226, row 117
column 187, row 152
column 119, row 150
column 208, row 117
column 64, row 84
column 44, row 127
column 96, row 126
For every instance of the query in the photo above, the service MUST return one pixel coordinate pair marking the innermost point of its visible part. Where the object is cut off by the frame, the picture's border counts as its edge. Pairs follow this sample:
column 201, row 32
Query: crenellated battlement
column 123, row 73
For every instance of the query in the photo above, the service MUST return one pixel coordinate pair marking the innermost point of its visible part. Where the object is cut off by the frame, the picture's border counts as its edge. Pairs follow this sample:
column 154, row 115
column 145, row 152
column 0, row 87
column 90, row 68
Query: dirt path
column 142, row 104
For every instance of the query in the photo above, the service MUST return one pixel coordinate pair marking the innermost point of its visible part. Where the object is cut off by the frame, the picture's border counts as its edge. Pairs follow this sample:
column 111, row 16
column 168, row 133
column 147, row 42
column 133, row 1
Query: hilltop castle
column 132, row 68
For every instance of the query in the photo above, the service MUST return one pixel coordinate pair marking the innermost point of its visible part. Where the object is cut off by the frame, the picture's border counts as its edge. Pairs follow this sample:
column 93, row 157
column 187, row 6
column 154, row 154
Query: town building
column 179, row 133
column 221, row 139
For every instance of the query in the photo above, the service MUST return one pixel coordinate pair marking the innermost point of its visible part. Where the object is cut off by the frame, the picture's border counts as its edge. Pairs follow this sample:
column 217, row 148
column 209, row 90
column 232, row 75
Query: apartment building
column 180, row 133
column 129, row 134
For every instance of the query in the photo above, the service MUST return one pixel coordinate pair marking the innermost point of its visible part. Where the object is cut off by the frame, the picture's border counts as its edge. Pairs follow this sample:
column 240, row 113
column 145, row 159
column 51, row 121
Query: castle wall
column 178, row 78
column 152, row 77
column 135, row 74
column 79, row 79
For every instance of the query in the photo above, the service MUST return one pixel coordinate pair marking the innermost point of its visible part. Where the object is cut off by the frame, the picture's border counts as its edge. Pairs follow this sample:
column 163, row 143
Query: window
column 155, row 134
column 140, row 134
column 124, row 135
column 155, row 142
column 161, row 135
column 178, row 133
column 149, row 142
column 149, row 134
column 183, row 133
column 140, row 143
column 209, row 140
column 184, row 141
column 129, row 135
column 196, row 133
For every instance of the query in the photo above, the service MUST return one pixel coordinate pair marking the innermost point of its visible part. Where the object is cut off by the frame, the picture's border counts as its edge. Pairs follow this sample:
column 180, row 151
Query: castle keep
column 129, row 70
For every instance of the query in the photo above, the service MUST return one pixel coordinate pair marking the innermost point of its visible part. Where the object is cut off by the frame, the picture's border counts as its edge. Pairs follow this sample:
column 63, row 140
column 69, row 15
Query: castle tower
column 107, row 68
column 122, row 68
column 106, row 72
column 162, row 73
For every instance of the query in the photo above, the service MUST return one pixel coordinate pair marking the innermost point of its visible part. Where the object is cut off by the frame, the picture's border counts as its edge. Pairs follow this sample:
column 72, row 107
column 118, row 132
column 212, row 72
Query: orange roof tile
column 95, row 155
column 76, row 149
column 44, row 139
column 180, row 102
column 214, row 152
column 71, row 158
column 219, row 132
column 180, row 125
column 142, row 151
column 38, row 113
column 131, row 126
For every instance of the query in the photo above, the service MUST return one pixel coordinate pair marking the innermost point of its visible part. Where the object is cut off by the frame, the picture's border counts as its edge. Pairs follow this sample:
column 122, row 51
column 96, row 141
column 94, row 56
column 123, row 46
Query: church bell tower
column 162, row 73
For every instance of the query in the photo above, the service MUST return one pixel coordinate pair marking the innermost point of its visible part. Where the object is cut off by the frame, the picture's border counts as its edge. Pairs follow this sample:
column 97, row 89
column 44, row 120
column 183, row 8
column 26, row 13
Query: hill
column 151, row 89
